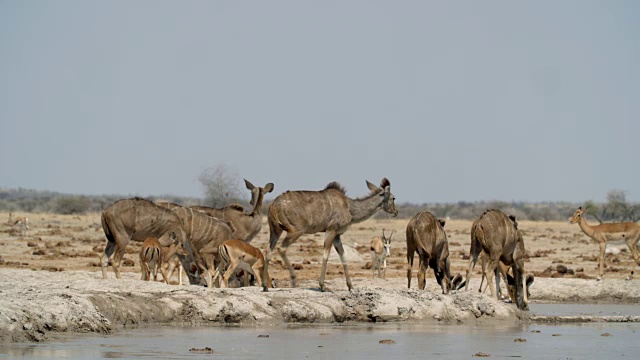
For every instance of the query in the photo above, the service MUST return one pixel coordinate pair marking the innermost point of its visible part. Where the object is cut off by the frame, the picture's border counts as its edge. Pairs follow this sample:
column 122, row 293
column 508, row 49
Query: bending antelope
column 498, row 236
column 328, row 210
column 151, row 259
column 22, row 223
column 238, row 254
column 628, row 231
column 380, row 251
column 425, row 234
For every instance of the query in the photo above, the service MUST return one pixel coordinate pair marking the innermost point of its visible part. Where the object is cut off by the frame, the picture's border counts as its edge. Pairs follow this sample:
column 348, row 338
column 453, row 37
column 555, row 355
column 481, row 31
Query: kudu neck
column 257, row 205
column 362, row 209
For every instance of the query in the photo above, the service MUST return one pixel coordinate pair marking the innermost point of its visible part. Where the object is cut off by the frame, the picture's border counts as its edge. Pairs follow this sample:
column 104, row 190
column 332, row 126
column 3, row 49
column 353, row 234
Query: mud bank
column 37, row 304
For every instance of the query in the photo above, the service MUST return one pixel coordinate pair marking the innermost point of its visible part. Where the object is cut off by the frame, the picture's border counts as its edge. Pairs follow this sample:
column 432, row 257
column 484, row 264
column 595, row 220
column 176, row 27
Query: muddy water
column 412, row 341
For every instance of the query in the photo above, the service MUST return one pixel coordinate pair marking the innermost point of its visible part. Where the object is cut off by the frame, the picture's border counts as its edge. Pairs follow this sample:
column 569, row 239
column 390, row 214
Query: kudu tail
column 107, row 230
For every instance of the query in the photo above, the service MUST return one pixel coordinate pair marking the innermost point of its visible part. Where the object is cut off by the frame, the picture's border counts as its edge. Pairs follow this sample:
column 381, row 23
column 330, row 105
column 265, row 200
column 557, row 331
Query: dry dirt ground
column 50, row 281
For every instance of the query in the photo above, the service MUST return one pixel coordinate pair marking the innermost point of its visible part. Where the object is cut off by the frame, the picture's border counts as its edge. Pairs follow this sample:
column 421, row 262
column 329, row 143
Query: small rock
column 520, row 340
column 128, row 262
column 32, row 244
column 206, row 350
column 481, row 354
column 561, row 269
column 555, row 334
column 387, row 341
column 39, row 252
column 27, row 326
column 297, row 266
column 535, row 331
column 367, row 265
column 263, row 336
column 606, row 334
column 580, row 269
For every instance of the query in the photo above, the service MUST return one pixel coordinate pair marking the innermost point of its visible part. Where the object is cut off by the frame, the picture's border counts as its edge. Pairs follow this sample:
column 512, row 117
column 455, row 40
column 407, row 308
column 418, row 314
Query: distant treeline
column 26, row 200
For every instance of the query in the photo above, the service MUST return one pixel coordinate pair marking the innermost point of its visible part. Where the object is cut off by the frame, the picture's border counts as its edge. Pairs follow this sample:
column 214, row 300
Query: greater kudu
column 136, row 219
column 246, row 225
column 328, row 210
column 425, row 235
column 498, row 236
column 204, row 234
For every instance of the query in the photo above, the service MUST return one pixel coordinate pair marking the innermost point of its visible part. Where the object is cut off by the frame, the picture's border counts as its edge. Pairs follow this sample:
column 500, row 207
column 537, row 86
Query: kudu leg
column 491, row 272
column 472, row 264
column 328, row 241
column 282, row 250
column 117, row 259
column 422, row 273
column 337, row 244
column 104, row 259
column 410, row 254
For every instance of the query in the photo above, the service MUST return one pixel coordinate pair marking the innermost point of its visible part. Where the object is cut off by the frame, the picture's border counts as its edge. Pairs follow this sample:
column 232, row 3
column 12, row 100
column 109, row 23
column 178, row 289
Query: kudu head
column 577, row 215
column 388, row 202
column 386, row 242
column 511, row 286
column 257, row 193
column 442, row 271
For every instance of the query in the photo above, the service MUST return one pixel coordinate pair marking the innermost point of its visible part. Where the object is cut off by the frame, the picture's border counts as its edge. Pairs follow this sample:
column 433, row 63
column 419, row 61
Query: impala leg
column 337, row 244
column 325, row 257
column 603, row 246
column 374, row 261
column 230, row 270
column 633, row 247
column 255, row 271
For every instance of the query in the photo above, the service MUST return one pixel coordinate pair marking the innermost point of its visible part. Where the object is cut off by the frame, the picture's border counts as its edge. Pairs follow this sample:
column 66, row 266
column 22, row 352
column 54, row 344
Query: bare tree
column 221, row 185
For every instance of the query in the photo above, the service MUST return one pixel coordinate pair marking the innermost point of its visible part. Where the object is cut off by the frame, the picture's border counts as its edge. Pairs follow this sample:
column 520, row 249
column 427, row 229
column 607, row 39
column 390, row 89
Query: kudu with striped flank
column 246, row 225
column 204, row 234
column 497, row 235
column 602, row 233
column 329, row 211
column 136, row 219
column 426, row 236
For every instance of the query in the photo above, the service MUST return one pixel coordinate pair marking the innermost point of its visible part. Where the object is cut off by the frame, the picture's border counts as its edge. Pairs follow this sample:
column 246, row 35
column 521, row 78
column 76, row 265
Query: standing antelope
column 246, row 225
column 239, row 254
column 380, row 251
column 136, row 219
column 22, row 223
column 425, row 235
column 328, row 210
column 498, row 236
column 628, row 231
column 204, row 234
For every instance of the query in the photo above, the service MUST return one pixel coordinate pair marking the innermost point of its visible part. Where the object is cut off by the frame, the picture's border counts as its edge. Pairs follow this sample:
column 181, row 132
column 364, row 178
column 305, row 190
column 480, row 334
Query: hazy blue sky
column 464, row 100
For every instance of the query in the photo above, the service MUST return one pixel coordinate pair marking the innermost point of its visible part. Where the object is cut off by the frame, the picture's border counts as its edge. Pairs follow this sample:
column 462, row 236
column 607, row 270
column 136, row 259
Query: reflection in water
column 413, row 341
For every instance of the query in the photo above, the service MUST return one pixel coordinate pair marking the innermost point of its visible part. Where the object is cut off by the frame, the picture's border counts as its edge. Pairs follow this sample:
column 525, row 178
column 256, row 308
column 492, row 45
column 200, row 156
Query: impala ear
column 268, row 188
column 374, row 189
column 248, row 184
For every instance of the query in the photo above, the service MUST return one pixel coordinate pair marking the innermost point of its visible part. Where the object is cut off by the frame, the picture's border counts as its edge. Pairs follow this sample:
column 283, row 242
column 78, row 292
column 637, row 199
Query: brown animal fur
column 238, row 254
column 627, row 231
column 498, row 236
column 246, row 225
column 136, row 219
column 328, row 210
column 426, row 236
column 204, row 234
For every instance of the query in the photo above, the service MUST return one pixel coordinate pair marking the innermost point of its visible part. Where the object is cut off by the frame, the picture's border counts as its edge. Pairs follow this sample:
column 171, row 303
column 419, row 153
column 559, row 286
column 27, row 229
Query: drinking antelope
column 328, row 210
column 628, row 231
column 237, row 254
column 498, row 236
column 425, row 235
column 380, row 251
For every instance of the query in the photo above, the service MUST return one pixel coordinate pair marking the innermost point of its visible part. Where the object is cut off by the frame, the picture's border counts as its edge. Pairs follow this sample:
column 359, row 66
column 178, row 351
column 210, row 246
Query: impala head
column 257, row 193
column 386, row 242
column 577, row 215
column 388, row 203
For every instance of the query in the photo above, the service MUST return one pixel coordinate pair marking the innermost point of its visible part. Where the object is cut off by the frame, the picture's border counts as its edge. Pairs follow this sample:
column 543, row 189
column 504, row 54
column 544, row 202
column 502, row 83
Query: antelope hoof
column 599, row 278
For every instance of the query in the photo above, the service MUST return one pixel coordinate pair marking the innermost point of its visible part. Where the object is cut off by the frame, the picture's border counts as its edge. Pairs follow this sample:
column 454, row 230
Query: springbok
column 328, row 210
column 380, row 251
column 627, row 231
column 425, row 235
column 246, row 225
column 204, row 234
column 22, row 223
column 136, row 219
column 239, row 254
column 498, row 236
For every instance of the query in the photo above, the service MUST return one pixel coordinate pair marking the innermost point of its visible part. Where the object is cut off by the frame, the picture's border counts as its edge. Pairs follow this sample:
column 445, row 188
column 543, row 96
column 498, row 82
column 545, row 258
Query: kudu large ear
column 248, row 184
column 268, row 188
column 442, row 222
column 372, row 187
